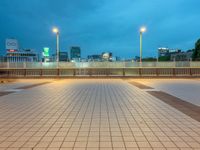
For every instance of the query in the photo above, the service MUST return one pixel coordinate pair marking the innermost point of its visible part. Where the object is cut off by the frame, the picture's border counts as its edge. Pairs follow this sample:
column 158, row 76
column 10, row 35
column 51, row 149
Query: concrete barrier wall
column 121, row 72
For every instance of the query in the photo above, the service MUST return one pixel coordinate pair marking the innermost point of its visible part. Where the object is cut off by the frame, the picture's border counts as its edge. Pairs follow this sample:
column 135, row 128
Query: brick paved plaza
column 93, row 114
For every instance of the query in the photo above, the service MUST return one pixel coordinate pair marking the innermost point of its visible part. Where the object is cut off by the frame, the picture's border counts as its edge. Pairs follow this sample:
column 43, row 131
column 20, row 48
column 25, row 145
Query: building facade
column 95, row 58
column 75, row 53
column 21, row 56
column 182, row 56
column 107, row 56
column 163, row 51
column 2, row 59
column 63, row 56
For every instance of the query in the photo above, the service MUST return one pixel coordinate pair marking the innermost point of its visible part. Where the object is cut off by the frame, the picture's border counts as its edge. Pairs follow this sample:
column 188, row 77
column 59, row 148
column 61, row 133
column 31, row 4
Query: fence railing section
column 75, row 65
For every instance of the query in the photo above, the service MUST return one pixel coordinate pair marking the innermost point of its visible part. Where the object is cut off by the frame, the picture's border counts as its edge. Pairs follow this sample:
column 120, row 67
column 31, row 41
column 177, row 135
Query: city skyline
column 101, row 26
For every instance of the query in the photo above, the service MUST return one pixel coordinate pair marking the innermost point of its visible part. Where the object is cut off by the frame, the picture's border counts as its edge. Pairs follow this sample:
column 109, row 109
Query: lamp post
column 142, row 30
column 56, row 31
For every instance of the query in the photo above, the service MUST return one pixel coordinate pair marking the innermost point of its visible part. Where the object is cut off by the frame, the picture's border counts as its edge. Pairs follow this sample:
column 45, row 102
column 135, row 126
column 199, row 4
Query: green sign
column 46, row 52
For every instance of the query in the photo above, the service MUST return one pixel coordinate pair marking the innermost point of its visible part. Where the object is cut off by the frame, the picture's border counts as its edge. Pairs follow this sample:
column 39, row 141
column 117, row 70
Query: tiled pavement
column 11, row 86
column 92, row 114
column 186, row 89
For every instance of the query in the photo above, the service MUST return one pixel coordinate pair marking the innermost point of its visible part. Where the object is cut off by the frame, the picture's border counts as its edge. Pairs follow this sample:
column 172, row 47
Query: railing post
column 174, row 72
column 74, row 70
column 41, row 73
column 41, row 65
column 191, row 71
column 90, row 72
column 140, row 71
column 58, row 72
column 157, row 72
column 25, row 72
column 124, row 74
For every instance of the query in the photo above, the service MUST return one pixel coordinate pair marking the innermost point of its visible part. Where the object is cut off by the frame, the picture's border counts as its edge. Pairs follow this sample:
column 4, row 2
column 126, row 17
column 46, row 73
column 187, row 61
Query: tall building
column 75, row 53
column 63, row 56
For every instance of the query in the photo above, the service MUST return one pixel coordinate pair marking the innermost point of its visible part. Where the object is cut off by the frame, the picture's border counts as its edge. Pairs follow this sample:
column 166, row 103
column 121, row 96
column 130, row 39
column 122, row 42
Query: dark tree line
column 196, row 53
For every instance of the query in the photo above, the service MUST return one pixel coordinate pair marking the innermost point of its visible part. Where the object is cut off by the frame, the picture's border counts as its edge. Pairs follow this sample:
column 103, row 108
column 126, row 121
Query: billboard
column 12, row 44
column 46, row 52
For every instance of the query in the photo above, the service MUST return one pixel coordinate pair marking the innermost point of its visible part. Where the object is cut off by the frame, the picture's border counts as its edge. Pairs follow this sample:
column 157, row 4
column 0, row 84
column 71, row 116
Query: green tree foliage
column 196, row 53
column 149, row 59
column 164, row 58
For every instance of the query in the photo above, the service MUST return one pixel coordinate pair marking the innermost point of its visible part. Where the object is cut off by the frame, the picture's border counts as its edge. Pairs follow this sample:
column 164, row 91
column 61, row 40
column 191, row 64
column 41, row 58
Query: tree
column 164, row 58
column 196, row 53
column 149, row 59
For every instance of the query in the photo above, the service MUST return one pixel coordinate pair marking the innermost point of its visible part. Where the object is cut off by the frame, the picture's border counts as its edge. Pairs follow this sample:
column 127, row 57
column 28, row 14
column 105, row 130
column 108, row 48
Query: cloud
column 101, row 25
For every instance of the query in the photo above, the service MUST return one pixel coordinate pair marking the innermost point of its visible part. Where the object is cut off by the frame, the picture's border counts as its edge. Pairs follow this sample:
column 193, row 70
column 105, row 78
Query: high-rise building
column 63, row 56
column 75, row 53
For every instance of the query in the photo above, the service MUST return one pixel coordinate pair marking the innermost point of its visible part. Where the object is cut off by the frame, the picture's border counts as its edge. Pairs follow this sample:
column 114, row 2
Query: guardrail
column 122, row 69
column 63, row 65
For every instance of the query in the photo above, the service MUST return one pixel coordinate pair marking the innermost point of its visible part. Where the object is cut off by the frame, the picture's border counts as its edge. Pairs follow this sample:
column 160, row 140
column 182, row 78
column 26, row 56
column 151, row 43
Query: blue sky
column 101, row 25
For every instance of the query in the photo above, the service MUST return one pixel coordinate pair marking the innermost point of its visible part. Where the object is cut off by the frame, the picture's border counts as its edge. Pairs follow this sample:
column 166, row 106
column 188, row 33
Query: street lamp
column 142, row 30
column 56, row 31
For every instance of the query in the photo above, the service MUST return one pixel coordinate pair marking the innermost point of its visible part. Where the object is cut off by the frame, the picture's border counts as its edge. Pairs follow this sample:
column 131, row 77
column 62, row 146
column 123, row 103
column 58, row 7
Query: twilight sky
column 101, row 25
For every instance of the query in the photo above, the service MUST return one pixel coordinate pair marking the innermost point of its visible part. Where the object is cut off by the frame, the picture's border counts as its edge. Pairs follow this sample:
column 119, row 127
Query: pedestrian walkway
column 92, row 114
column 14, row 84
column 186, row 89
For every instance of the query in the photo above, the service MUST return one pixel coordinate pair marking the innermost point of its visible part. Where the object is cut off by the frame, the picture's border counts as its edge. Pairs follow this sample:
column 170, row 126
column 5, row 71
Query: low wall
column 102, row 72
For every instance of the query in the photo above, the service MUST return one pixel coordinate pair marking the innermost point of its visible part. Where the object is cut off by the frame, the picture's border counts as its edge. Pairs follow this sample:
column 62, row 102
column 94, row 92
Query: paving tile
column 91, row 114
column 144, row 144
column 93, row 144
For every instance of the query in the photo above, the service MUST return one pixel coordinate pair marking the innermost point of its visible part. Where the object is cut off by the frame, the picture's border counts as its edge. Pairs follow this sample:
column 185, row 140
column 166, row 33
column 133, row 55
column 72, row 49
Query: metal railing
column 80, row 65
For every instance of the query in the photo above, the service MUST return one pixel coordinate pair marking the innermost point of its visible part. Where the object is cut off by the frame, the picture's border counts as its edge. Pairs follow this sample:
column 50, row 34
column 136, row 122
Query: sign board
column 46, row 52
column 11, row 51
column 12, row 44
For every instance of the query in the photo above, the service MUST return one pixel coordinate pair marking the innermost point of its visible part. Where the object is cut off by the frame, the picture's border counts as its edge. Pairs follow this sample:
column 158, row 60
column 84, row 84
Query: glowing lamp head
column 55, row 30
column 143, row 29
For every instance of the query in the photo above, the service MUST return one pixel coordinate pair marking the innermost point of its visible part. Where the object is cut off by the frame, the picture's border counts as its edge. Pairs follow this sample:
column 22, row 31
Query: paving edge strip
column 139, row 85
column 3, row 93
column 32, row 86
column 185, row 107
